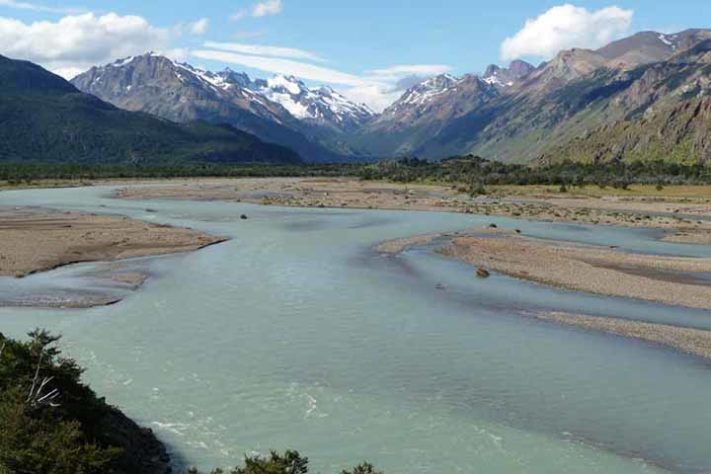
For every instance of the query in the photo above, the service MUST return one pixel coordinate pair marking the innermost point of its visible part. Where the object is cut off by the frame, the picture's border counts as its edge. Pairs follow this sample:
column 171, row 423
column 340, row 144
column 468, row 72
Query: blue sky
column 367, row 49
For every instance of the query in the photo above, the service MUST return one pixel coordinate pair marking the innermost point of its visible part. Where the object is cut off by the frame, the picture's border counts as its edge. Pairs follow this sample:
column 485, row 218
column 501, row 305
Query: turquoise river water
column 296, row 334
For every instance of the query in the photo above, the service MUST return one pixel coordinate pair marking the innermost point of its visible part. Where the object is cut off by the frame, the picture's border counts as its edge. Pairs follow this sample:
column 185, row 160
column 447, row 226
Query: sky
column 369, row 50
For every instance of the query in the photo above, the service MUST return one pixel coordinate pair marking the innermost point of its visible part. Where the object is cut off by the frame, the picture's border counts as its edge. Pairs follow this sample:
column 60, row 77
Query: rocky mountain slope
column 422, row 112
column 282, row 110
column 665, row 114
column 507, row 77
column 578, row 105
column 568, row 107
column 45, row 118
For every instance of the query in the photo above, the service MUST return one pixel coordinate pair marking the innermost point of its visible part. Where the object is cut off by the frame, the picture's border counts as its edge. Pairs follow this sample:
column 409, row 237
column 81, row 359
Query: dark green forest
column 471, row 171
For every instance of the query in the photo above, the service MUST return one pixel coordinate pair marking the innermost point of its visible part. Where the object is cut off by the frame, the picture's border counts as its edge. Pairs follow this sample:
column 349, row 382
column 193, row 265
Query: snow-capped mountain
column 507, row 77
column 507, row 113
column 281, row 98
column 421, row 112
column 158, row 85
column 437, row 99
column 179, row 92
column 322, row 106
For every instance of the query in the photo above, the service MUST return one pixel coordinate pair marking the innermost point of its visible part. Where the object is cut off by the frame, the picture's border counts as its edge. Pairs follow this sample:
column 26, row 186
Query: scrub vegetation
column 52, row 423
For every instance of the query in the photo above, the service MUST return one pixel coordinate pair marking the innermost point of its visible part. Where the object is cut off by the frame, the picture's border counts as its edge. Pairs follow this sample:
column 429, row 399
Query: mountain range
column 562, row 108
column 615, row 102
column 280, row 110
column 647, row 96
column 44, row 118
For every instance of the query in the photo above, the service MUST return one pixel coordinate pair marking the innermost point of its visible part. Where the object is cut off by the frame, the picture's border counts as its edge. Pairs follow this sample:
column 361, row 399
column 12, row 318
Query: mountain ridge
column 45, row 118
column 517, row 113
column 181, row 93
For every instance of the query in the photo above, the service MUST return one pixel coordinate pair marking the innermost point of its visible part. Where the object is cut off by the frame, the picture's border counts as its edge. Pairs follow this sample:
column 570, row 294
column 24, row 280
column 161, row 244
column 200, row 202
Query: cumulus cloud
column 74, row 43
column 79, row 41
column 566, row 26
column 263, row 50
column 260, row 9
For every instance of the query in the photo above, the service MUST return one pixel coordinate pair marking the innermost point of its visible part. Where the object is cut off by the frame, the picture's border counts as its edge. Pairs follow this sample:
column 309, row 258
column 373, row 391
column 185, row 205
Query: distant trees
column 476, row 172
column 472, row 172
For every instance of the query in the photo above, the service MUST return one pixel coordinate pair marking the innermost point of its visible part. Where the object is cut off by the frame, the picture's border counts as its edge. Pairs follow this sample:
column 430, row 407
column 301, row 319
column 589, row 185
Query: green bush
column 40, row 393
column 51, row 423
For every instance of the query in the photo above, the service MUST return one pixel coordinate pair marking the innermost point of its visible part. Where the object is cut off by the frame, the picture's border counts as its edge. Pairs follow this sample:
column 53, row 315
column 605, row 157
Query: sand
column 688, row 340
column 600, row 270
column 34, row 240
column 687, row 219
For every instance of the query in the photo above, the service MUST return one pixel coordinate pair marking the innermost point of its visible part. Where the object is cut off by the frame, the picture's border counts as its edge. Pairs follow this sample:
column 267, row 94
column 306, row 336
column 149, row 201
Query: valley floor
column 34, row 240
column 683, row 211
column 679, row 281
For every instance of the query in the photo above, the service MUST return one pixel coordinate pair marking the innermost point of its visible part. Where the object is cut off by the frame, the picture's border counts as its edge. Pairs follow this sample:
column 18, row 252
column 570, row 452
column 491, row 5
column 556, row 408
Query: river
column 296, row 334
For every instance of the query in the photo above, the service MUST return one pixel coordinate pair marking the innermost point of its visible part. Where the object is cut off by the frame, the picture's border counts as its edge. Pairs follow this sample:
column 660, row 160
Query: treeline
column 471, row 171
column 477, row 171
column 27, row 173
column 51, row 423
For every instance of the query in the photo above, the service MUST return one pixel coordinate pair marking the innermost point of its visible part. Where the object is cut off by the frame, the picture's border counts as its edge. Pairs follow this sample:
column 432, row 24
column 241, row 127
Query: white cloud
column 263, row 8
column 376, row 96
column 195, row 28
column 263, row 50
column 267, row 7
column 18, row 5
column 74, row 43
column 239, row 14
column 199, row 27
column 274, row 65
column 566, row 26
column 400, row 71
column 377, row 88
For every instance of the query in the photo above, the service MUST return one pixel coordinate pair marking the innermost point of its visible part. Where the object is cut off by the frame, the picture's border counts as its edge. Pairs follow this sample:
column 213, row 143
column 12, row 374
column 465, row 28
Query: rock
column 483, row 273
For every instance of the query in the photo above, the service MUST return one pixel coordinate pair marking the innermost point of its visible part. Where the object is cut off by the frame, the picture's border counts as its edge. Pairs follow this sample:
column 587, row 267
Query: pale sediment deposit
column 689, row 340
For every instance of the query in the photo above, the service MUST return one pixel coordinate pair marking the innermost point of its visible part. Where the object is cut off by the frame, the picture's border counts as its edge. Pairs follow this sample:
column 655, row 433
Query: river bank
column 670, row 280
column 691, row 341
column 410, row 365
column 684, row 213
column 36, row 240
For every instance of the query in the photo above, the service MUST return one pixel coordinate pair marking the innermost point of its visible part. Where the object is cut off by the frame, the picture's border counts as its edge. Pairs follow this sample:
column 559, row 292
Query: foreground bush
column 51, row 423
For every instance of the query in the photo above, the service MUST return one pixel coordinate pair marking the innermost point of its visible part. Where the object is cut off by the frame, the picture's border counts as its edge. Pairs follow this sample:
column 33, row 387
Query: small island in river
column 37, row 240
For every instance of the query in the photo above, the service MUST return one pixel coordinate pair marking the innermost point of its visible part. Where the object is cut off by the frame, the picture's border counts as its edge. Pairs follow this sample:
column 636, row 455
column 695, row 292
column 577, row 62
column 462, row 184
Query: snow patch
column 666, row 41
